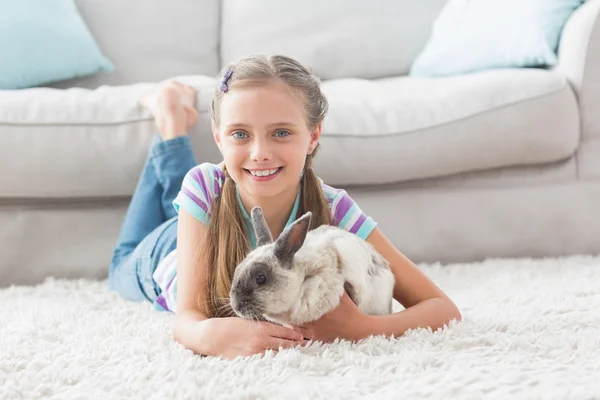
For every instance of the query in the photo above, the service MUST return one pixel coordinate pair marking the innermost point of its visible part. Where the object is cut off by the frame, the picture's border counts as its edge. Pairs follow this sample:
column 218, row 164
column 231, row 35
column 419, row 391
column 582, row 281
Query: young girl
column 188, row 225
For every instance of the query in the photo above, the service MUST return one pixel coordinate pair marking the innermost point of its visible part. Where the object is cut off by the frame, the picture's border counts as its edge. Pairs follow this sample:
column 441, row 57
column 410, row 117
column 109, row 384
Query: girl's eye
column 282, row 133
column 240, row 135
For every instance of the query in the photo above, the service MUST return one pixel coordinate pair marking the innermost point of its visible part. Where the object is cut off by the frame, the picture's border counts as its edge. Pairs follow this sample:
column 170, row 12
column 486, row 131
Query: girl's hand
column 346, row 321
column 234, row 336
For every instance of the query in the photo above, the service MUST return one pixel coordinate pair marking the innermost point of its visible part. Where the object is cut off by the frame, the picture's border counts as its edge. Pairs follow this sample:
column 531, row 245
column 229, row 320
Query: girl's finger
column 305, row 332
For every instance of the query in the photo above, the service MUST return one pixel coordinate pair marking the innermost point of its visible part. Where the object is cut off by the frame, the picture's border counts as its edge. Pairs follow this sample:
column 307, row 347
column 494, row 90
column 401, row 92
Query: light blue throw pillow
column 476, row 35
column 43, row 41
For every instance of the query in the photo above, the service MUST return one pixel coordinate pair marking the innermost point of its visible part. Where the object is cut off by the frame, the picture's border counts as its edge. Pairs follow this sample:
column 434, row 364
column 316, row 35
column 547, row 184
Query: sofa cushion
column 336, row 38
column 406, row 128
column 510, row 34
column 93, row 143
column 81, row 143
column 49, row 42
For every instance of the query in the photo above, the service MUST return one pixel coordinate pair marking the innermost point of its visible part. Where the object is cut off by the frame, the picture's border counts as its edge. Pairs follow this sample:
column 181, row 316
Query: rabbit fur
column 301, row 276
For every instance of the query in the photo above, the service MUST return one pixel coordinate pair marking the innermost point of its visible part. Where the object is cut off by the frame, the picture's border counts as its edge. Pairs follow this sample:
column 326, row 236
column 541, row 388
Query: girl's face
column 264, row 138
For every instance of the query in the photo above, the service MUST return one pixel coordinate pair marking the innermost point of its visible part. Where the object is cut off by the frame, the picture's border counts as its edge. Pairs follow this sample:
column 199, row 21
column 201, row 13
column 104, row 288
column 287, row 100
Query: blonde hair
column 227, row 242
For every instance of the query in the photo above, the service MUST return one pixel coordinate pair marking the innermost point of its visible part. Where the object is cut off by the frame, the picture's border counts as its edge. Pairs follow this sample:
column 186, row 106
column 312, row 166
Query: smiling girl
column 188, row 225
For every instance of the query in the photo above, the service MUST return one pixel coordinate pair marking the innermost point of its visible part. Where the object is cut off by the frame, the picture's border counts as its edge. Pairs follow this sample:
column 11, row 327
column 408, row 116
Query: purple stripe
column 358, row 223
column 200, row 179
column 218, row 181
column 217, row 185
column 171, row 282
column 195, row 199
column 161, row 300
column 342, row 207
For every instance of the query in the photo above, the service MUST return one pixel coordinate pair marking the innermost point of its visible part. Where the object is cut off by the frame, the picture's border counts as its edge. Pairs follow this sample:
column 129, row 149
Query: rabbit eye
column 260, row 279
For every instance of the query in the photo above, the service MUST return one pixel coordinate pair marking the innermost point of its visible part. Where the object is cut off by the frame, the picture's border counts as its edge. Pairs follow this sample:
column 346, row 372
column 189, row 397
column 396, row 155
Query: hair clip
column 223, row 86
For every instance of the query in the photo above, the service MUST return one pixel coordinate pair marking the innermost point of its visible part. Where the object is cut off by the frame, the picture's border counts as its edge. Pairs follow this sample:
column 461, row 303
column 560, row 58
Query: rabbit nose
column 244, row 297
column 240, row 304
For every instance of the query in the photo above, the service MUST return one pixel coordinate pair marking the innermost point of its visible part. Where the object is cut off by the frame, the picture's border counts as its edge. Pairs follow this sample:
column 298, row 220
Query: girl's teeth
column 265, row 172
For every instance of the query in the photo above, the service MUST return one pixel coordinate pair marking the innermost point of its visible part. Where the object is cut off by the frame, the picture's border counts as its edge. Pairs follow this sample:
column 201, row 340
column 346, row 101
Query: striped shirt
column 203, row 183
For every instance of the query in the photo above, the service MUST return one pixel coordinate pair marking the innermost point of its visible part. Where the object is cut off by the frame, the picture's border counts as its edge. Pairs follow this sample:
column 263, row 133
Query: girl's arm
column 425, row 304
column 190, row 323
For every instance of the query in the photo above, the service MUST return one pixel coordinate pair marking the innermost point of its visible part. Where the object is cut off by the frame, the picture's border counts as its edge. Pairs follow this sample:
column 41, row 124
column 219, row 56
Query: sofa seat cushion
column 92, row 143
column 407, row 128
column 82, row 143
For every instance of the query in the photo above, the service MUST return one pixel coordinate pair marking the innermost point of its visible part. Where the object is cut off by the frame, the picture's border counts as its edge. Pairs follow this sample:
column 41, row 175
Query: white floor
column 531, row 329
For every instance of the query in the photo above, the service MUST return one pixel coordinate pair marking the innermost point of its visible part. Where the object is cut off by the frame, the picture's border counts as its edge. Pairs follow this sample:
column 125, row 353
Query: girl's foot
column 172, row 105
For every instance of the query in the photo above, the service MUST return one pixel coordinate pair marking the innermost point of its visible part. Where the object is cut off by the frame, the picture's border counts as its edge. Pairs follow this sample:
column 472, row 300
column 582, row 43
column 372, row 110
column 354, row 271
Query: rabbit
column 301, row 276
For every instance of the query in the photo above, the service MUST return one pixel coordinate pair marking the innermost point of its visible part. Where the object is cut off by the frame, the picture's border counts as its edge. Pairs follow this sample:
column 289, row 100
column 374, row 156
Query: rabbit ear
column 261, row 230
column 292, row 239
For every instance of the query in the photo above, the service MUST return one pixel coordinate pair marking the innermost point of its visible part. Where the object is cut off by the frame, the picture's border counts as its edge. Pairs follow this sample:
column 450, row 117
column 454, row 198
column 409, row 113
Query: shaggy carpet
column 531, row 329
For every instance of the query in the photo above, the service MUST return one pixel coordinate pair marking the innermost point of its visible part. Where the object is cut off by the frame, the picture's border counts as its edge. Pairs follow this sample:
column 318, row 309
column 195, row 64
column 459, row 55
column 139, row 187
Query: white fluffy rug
column 531, row 329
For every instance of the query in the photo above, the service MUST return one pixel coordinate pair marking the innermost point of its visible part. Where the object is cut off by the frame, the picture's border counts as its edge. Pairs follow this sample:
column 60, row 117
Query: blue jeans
column 149, row 230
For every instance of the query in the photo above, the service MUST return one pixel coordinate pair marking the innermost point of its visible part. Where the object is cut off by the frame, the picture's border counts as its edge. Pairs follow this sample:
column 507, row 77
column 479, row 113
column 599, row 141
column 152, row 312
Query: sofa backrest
column 336, row 38
column 152, row 40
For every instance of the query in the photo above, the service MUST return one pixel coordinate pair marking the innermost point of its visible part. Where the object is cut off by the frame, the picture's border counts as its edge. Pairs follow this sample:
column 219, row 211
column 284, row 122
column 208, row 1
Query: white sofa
column 503, row 163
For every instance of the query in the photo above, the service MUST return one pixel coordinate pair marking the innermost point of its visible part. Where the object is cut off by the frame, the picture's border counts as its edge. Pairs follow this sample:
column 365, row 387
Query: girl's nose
column 261, row 150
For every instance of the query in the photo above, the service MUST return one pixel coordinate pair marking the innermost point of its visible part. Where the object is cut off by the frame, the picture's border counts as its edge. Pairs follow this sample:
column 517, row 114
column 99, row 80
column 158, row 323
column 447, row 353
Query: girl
column 188, row 225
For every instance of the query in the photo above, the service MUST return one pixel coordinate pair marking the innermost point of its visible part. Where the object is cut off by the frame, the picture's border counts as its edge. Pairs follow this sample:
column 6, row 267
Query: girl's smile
column 263, row 175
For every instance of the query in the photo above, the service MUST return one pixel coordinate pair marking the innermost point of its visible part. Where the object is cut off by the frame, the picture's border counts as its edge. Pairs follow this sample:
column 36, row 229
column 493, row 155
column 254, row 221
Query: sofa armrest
column 579, row 61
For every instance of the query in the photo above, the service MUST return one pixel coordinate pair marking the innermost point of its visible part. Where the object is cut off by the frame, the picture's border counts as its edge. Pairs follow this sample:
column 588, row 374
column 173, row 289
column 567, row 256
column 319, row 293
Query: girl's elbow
column 453, row 313
column 457, row 316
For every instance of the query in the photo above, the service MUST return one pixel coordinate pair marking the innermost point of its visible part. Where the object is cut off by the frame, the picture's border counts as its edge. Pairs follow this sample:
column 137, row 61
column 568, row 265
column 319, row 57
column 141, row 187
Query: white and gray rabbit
column 301, row 276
